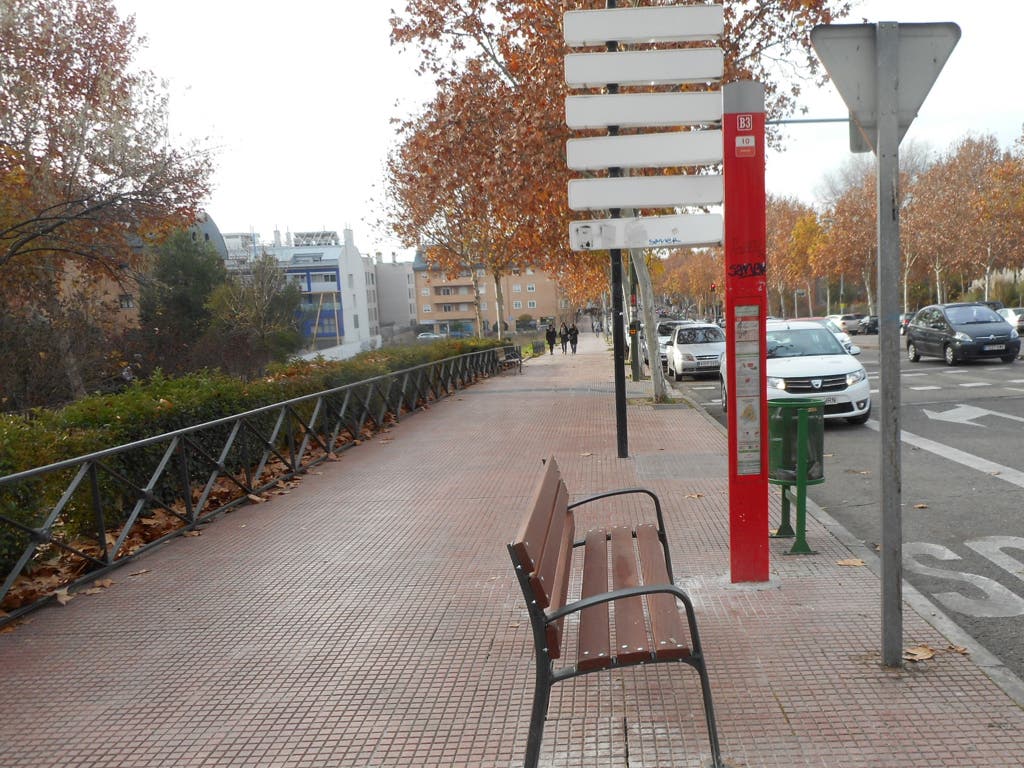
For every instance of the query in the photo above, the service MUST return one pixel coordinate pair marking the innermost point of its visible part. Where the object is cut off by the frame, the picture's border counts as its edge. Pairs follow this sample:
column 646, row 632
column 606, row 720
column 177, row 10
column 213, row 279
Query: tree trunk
column 499, row 298
column 476, row 302
column 643, row 279
column 810, row 301
column 866, row 275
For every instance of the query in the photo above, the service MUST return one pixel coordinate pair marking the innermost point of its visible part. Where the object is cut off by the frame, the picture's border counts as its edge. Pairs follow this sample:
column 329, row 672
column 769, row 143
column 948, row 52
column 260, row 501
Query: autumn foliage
column 480, row 176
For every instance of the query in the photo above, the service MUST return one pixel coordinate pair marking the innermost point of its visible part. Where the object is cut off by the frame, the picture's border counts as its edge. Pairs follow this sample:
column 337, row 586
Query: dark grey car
column 961, row 331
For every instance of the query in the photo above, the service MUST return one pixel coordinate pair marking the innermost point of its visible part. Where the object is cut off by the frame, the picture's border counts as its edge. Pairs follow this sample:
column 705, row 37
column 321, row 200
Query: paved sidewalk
column 370, row 617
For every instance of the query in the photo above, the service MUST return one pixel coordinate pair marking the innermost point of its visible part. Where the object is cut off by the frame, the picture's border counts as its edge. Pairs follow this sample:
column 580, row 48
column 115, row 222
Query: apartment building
column 447, row 305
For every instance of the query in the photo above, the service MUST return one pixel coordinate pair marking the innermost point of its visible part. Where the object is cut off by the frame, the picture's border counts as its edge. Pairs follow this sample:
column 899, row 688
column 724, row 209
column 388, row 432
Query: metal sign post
column 745, row 312
column 884, row 72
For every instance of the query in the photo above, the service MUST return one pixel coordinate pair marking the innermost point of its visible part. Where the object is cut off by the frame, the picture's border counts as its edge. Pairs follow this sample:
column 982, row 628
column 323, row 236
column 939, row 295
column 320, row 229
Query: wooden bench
column 510, row 357
column 641, row 572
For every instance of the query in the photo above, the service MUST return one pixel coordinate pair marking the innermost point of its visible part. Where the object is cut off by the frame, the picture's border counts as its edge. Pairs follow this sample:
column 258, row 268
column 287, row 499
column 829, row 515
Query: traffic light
column 713, row 286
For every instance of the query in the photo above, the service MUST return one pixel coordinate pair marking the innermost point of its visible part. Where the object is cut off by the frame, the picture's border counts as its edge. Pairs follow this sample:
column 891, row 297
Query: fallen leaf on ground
column 695, row 495
column 918, row 653
column 103, row 583
column 63, row 596
column 139, row 573
column 851, row 561
column 958, row 649
column 192, row 533
column 920, row 506
column 254, row 498
column 586, row 454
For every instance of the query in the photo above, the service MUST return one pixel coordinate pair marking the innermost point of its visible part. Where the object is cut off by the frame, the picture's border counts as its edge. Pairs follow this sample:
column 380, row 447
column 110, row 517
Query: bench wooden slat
column 669, row 632
column 529, row 541
column 631, row 644
column 543, row 578
column 559, row 587
column 595, row 631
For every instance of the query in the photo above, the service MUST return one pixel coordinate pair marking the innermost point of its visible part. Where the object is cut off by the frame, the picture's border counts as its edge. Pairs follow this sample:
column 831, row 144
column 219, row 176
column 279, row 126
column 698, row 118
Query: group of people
column 569, row 336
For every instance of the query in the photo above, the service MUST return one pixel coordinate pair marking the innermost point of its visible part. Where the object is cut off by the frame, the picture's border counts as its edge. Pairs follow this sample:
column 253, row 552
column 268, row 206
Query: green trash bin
column 538, row 347
column 784, row 441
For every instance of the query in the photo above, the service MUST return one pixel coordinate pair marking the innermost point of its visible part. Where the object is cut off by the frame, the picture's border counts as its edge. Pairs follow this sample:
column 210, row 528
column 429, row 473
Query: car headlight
column 961, row 336
column 774, row 382
column 686, row 356
column 1014, row 334
column 854, row 377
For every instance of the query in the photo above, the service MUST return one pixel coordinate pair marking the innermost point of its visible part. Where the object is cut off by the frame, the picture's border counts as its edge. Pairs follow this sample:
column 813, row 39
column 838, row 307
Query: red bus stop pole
column 746, row 306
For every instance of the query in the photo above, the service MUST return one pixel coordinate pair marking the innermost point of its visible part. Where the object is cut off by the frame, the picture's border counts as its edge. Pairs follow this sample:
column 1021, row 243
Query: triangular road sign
column 849, row 54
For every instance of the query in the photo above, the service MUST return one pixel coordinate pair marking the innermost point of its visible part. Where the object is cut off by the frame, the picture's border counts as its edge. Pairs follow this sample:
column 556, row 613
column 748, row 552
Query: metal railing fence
column 66, row 523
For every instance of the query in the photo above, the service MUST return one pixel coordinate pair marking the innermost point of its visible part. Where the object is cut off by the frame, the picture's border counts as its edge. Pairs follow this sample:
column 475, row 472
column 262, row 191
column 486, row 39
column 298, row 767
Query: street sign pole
column 888, row 222
column 745, row 312
column 884, row 72
column 618, row 327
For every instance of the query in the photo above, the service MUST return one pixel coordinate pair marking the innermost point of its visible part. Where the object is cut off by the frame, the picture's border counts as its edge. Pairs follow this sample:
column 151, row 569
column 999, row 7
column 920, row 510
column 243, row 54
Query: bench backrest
column 542, row 550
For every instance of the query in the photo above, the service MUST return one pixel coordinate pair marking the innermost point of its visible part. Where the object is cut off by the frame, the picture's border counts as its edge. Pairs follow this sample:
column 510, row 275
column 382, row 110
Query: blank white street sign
column 639, row 109
column 646, row 150
column 686, row 65
column 644, row 192
column 674, row 23
column 681, row 231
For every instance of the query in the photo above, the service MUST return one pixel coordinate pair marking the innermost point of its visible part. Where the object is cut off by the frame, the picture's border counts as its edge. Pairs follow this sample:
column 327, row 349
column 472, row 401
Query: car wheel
column 724, row 395
column 949, row 354
column 678, row 375
column 1008, row 358
column 912, row 354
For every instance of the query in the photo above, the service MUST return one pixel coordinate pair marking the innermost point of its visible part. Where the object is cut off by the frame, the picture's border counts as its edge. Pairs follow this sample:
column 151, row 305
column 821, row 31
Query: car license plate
column 830, row 401
column 994, row 347
column 707, row 364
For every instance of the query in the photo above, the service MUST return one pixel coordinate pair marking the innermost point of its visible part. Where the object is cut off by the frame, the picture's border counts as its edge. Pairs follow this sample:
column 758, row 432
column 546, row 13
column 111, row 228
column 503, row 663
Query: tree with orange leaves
column 519, row 42
column 87, row 173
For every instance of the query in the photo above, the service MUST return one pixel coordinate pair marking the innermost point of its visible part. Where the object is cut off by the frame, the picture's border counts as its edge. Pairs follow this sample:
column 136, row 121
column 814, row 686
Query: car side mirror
column 854, row 349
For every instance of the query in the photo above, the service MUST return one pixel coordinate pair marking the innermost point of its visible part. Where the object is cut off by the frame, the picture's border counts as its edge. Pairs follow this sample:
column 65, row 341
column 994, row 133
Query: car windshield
column 699, row 335
column 803, row 342
column 969, row 315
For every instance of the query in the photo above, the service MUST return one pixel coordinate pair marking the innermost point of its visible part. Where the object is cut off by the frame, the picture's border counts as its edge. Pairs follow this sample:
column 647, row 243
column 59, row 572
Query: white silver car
column 804, row 359
column 695, row 349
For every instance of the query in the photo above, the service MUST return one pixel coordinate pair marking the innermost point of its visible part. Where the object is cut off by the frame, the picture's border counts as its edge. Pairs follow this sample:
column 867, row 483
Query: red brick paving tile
column 370, row 618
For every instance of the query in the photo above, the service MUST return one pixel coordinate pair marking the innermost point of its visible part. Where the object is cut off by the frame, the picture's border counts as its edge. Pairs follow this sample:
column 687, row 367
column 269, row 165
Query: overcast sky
column 298, row 97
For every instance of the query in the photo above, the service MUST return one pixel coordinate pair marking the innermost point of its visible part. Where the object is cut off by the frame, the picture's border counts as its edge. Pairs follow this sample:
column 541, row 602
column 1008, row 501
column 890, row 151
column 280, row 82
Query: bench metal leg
column 709, row 715
column 541, row 697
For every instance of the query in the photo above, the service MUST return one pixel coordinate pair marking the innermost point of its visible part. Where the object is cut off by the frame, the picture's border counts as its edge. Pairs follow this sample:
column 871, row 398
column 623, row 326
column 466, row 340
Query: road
column 962, row 482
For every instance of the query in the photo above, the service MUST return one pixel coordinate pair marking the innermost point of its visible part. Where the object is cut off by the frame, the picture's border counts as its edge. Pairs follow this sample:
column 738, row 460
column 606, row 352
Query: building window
column 444, row 291
column 564, row 303
column 351, row 281
column 427, row 308
column 483, row 306
column 447, row 307
column 463, row 307
column 517, row 288
column 531, row 304
column 483, row 290
column 126, row 300
column 355, row 321
column 515, row 270
column 425, row 291
column 517, row 305
column 529, row 270
column 531, row 287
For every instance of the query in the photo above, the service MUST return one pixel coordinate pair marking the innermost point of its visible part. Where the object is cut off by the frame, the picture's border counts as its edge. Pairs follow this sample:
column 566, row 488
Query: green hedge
column 154, row 407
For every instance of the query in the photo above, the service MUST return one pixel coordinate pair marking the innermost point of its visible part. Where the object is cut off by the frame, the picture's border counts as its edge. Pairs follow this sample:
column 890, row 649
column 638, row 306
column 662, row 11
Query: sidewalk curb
column 988, row 662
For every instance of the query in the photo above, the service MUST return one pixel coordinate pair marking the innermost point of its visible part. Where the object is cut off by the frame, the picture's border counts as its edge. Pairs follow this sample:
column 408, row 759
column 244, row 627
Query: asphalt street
column 962, row 468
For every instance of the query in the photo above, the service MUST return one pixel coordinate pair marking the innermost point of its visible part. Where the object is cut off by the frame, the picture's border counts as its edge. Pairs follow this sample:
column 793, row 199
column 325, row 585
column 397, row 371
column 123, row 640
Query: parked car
column 832, row 325
column 429, row 335
column 694, row 349
column 1014, row 316
column 664, row 329
column 847, row 322
column 961, row 331
column 905, row 319
column 805, row 359
column 868, row 324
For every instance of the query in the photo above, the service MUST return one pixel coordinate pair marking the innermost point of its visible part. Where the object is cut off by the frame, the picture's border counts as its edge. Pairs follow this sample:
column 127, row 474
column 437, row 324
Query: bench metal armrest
column 619, row 594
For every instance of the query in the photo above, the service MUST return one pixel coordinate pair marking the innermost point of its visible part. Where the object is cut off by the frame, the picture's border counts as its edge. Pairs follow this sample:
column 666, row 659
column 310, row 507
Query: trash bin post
column 796, row 460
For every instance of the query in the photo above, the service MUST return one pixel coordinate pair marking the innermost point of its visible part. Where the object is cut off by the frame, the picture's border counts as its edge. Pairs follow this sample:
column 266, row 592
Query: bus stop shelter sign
column 850, row 58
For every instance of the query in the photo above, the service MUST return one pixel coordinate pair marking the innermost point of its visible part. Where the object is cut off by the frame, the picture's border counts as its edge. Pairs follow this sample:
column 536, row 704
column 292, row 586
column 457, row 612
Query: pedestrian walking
column 563, row 337
column 549, row 335
column 574, row 337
